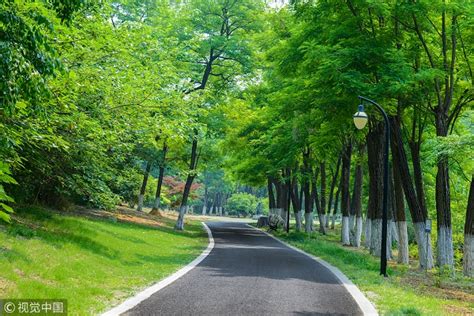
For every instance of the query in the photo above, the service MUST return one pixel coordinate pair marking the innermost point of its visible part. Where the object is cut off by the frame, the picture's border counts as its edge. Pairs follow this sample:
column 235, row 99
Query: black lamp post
column 360, row 120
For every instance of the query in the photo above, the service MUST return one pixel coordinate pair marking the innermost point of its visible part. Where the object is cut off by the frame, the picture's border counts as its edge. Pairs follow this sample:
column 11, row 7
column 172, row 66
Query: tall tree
column 468, row 260
column 219, row 49
column 345, row 191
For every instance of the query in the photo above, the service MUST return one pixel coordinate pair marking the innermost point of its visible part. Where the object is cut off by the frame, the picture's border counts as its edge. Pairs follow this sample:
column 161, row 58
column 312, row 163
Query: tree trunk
column 368, row 232
column 336, row 206
column 443, row 202
column 419, row 219
column 141, row 196
column 375, row 152
column 296, row 203
column 399, row 214
column 418, row 175
column 308, row 200
column 218, row 204
column 356, row 207
column 189, row 181
column 286, row 197
column 322, row 211
column 271, row 195
column 204, row 204
column 331, row 191
column 345, row 193
column 468, row 259
column 156, row 205
column 317, row 202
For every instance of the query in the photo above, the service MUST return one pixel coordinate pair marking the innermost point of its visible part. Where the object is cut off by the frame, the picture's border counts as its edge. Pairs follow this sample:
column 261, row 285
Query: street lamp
column 360, row 120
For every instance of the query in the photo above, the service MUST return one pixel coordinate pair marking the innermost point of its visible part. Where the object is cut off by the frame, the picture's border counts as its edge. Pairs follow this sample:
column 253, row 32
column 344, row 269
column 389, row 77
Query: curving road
column 250, row 273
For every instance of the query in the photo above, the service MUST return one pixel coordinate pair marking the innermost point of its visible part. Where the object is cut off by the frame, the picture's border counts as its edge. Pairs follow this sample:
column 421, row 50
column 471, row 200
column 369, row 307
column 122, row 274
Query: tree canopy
column 223, row 105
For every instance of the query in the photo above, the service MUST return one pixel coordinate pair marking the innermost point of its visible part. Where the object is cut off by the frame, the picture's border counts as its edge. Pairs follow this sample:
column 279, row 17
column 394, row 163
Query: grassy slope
column 406, row 292
column 93, row 263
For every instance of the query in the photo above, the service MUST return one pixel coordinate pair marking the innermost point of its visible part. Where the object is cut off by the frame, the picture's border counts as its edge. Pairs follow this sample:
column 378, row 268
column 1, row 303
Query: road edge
column 146, row 293
column 364, row 304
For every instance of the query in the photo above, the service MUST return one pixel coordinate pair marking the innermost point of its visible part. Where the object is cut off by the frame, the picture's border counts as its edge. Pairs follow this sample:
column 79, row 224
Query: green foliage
column 4, row 198
column 242, row 204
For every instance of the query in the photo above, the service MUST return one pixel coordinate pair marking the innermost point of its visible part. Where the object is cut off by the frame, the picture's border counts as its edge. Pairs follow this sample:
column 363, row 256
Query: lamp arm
column 381, row 110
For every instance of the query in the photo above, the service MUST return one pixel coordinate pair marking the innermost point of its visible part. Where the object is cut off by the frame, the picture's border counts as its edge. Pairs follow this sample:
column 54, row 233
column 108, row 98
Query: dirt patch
column 122, row 214
column 427, row 282
column 5, row 285
column 457, row 310
column 139, row 220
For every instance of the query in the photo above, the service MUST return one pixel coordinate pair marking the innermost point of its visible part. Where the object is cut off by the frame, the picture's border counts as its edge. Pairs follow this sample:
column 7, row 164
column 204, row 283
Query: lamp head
column 360, row 118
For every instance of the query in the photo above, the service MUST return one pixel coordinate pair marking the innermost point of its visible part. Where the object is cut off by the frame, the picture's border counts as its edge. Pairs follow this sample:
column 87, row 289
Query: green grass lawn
column 406, row 292
column 93, row 263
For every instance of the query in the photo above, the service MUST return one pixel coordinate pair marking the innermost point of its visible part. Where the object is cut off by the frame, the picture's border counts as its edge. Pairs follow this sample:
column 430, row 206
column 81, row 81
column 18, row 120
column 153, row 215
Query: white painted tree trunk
column 423, row 241
column 402, row 242
column 445, row 247
column 368, row 233
column 308, row 222
column 322, row 222
column 298, row 221
column 394, row 230
column 468, row 259
column 351, row 222
column 283, row 215
column 156, row 204
column 358, row 231
column 389, row 239
column 376, row 239
column 140, row 203
column 204, row 210
column 326, row 224
column 220, row 210
column 352, row 230
column 345, row 231
column 180, row 222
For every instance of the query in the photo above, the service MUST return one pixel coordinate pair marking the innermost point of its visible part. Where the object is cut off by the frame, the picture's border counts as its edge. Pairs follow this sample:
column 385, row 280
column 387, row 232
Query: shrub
column 243, row 204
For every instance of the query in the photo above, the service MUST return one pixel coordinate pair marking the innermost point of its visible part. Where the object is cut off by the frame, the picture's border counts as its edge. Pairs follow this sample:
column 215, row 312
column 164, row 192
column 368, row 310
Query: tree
column 219, row 49
column 242, row 204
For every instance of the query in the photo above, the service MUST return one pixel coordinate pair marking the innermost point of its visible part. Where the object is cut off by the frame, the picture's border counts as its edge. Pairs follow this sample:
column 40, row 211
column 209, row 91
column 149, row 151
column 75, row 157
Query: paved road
column 249, row 273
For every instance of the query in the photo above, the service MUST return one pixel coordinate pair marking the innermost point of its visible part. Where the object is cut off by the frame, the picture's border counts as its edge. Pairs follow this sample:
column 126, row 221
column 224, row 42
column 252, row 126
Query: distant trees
column 241, row 204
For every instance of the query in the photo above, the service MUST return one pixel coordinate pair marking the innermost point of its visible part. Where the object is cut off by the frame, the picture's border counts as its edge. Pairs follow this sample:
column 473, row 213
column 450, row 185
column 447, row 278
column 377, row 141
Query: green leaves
column 5, row 178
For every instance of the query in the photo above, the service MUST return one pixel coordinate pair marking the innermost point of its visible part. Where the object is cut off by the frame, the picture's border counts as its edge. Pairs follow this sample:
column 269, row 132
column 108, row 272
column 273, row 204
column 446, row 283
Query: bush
column 242, row 204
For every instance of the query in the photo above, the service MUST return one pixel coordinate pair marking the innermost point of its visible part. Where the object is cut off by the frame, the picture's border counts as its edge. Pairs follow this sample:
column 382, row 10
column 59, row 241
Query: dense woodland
column 240, row 107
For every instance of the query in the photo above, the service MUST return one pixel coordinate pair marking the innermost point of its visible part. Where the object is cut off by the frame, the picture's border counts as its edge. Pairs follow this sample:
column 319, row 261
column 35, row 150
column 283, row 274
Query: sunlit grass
column 93, row 263
column 391, row 296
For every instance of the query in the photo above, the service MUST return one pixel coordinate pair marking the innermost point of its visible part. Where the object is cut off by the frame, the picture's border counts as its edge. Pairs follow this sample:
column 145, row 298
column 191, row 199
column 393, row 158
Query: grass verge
column 407, row 291
column 94, row 263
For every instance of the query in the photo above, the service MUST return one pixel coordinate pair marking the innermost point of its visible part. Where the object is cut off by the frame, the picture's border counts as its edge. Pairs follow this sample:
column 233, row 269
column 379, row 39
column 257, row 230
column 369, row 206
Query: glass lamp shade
column 360, row 118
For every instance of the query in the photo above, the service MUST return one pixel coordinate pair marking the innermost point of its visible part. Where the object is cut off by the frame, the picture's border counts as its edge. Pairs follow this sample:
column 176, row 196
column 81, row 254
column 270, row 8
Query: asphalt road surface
column 249, row 273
